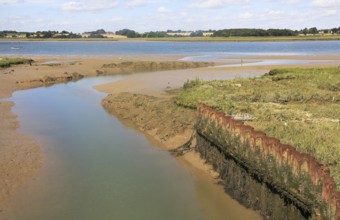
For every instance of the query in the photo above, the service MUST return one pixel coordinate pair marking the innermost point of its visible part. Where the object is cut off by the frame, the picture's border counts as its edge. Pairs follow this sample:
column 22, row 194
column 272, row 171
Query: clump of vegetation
column 7, row 62
column 299, row 106
column 192, row 83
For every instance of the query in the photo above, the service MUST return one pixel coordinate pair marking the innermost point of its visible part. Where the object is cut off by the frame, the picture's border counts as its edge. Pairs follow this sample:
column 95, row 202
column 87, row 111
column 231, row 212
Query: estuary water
column 168, row 48
column 96, row 168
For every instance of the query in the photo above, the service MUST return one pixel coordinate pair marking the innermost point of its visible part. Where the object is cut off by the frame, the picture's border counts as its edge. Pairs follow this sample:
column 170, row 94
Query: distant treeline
column 96, row 34
column 244, row 32
column 39, row 34
column 238, row 32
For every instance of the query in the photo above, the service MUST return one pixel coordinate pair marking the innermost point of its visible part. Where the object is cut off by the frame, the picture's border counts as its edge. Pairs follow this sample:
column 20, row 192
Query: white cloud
column 293, row 1
column 211, row 4
column 12, row 2
column 163, row 9
column 137, row 3
column 207, row 4
column 238, row 2
column 89, row 5
column 326, row 3
column 15, row 18
column 114, row 19
column 246, row 15
column 329, row 12
column 264, row 15
column 274, row 13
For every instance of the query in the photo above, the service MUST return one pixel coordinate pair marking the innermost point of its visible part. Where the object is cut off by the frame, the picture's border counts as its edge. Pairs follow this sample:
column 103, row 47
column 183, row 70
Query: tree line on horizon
column 39, row 34
column 235, row 32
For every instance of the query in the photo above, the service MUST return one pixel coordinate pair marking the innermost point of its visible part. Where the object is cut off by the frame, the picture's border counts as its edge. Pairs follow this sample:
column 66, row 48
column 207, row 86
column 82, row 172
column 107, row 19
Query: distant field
column 299, row 106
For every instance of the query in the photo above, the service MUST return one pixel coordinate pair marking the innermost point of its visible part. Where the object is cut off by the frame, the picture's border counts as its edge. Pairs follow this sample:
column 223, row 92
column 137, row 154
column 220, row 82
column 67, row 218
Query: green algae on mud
column 299, row 106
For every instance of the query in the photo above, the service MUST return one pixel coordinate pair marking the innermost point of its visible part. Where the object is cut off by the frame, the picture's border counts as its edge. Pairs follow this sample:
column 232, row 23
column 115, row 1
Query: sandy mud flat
column 21, row 156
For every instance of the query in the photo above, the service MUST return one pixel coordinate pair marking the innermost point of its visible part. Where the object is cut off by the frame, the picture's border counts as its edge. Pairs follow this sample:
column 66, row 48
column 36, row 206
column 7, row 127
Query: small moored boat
column 16, row 48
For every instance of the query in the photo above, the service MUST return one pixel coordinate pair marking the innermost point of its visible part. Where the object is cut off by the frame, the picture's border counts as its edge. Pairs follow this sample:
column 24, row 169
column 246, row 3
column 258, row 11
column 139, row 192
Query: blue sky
column 155, row 15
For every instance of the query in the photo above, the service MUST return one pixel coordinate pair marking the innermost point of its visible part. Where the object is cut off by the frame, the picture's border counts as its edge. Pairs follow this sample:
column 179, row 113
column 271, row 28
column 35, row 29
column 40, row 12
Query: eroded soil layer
column 263, row 173
column 250, row 190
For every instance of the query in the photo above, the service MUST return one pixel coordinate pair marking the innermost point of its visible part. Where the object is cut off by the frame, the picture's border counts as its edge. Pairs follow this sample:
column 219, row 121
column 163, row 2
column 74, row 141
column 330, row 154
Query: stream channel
column 97, row 168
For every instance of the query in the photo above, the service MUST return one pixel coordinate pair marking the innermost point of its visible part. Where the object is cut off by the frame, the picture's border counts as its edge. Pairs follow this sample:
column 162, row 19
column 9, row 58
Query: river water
column 168, row 48
column 96, row 168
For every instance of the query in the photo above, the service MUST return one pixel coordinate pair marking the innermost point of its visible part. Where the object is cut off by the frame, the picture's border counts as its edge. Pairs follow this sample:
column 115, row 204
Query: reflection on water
column 95, row 168
column 239, row 62
column 268, row 62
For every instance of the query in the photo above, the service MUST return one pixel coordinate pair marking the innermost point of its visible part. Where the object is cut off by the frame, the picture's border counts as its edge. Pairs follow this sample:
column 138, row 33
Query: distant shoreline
column 191, row 39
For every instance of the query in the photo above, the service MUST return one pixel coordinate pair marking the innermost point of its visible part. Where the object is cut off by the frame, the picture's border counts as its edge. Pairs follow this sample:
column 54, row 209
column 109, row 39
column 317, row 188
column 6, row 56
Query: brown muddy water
column 96, row 168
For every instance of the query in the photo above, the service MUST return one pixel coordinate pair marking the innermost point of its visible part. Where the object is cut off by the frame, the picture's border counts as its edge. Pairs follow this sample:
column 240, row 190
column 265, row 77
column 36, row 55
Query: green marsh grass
column 299, row 106
column 7, row 62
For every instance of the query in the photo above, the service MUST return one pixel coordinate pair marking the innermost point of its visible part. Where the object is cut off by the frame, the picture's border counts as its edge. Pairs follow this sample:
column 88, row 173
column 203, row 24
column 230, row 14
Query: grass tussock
column 299, row 106
column 7, row 62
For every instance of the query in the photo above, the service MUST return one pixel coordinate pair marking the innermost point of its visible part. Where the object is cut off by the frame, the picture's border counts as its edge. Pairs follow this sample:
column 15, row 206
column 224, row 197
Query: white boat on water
column 16, row 48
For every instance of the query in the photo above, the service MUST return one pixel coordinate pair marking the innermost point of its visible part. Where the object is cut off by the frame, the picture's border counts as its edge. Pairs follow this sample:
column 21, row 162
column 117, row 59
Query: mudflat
column 21, row 156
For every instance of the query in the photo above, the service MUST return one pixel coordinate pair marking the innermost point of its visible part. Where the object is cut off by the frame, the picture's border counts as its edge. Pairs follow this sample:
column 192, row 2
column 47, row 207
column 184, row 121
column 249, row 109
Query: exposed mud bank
column 160, row 118
column 147, row 66
column 46, row 75
column 264, row 174
column 20, row 155
column 49, row 80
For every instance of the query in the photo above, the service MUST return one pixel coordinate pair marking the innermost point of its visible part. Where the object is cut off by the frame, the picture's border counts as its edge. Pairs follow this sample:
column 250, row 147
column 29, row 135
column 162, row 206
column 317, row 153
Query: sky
column 155, row 15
